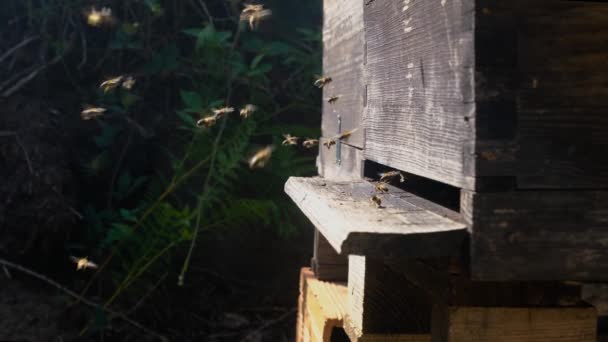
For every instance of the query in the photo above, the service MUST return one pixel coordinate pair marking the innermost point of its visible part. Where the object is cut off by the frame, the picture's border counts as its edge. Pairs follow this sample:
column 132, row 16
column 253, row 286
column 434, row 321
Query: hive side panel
column 419, row 66
column 541, row 93
column 538, row 235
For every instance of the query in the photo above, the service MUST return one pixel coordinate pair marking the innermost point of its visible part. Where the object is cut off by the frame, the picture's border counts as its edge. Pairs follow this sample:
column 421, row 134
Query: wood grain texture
column 327, row 264
column 343, row 49
column 344, row 214
column 420, row 85
column 538, row 235
column 541, row 87
column 466, row 324
column 325, row 307
column 350, row 167
column 382, row 302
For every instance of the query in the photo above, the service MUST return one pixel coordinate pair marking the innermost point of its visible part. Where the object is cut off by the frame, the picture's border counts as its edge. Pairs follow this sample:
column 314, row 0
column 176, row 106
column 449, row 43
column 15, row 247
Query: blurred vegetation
column 152, row 180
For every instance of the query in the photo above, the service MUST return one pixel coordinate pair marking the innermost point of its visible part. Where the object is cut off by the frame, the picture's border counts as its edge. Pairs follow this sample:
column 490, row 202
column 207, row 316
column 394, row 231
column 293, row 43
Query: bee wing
column 74, row 259
column 91, row 264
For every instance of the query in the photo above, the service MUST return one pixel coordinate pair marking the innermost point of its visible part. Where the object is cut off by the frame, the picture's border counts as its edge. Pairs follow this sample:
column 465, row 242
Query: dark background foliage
column 190, row 241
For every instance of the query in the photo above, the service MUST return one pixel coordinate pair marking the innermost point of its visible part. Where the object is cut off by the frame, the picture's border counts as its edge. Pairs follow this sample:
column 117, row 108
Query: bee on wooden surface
column 376, row 200
column 90, row 113
column 128, row 82
column 290, row 140
column 248, row 110
column 322, row 81
column 329, row 142
column 219, row 112
column 333, row 99
column 254, row 14
column 390, row 175
column 261, row 157
column 97, row 18
column 310, row 143
column 111, row 84
column 381, row 187
column 207, row 121
column 83, row 263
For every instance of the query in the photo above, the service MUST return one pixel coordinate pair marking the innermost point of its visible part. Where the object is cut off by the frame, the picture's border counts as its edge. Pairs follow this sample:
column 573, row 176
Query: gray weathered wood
column 420, row 80
column 381, row 301
column 349, row 168
column 327, row 264
column 344, row 214
column 538, row 235
column 343, row 48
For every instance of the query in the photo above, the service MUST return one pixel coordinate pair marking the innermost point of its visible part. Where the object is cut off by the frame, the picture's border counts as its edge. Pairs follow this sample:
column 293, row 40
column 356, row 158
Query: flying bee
column 207, row 121
column 254, row 14
column 111, row 84
column 97, row 18
column 290, row 140
column 381, row 187
column 83, row 263
column 310, row 143
column 329, row 142
column 347, row 134
column 261, row 157
column 321, row 81
column 219, row 112
column 128, row 82
column 390, row 175
column 248, row 110
column 333, row 99
column 376, row 200
column 90, row 113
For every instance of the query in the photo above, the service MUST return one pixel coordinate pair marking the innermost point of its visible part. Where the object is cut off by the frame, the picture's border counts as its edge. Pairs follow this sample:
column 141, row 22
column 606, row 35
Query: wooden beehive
column 495, row 111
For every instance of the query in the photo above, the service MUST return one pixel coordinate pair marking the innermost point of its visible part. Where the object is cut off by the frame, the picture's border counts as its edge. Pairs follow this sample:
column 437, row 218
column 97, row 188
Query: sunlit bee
column 219, row 112
column 90, row 113
column 322, row 81
column 254, row 14
column 388, row 176
column 347, row 134
column 207, row 121
column 248, row 110
column 83, row 263
column 329, row 142
column 381, row 187
column 310, row 143
column 333, row 99
column 111, row 84
column 261, row 157
column 376, row 200
column 128, row 82
column 290, row 140
column 97, row 18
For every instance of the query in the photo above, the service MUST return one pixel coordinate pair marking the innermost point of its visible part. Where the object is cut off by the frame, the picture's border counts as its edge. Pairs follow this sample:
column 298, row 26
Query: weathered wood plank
column 327, row 264
column 383, row 302
column 465, row 324
column 538, row 235
column 349, row 168
column 420, row 85
column 351, row 223
column 343, row 53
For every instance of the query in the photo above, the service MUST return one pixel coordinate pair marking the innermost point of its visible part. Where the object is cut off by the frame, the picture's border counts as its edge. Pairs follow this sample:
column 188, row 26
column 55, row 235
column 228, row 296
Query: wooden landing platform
column 404, row 226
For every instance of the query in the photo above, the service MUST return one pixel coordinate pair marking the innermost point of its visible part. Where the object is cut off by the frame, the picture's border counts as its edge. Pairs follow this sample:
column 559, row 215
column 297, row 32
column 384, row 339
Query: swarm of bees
column 219, row 112
column 97, row 18
column 376, row 200
column 90, row 113
column 254, row 14
column 261, row 157
column 83, row 263
column 127, row 82
column 207, row 121
column 322, row 81
column 329, row 142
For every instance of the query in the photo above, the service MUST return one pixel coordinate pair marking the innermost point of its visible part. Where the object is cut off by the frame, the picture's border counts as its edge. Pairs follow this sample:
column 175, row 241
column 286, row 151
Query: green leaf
column 192, row 100
column 256, row 61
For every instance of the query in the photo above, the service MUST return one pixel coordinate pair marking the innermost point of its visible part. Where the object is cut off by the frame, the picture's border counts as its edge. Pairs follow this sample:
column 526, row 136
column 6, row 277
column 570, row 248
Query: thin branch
column 85, row 301
column 17, row 47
